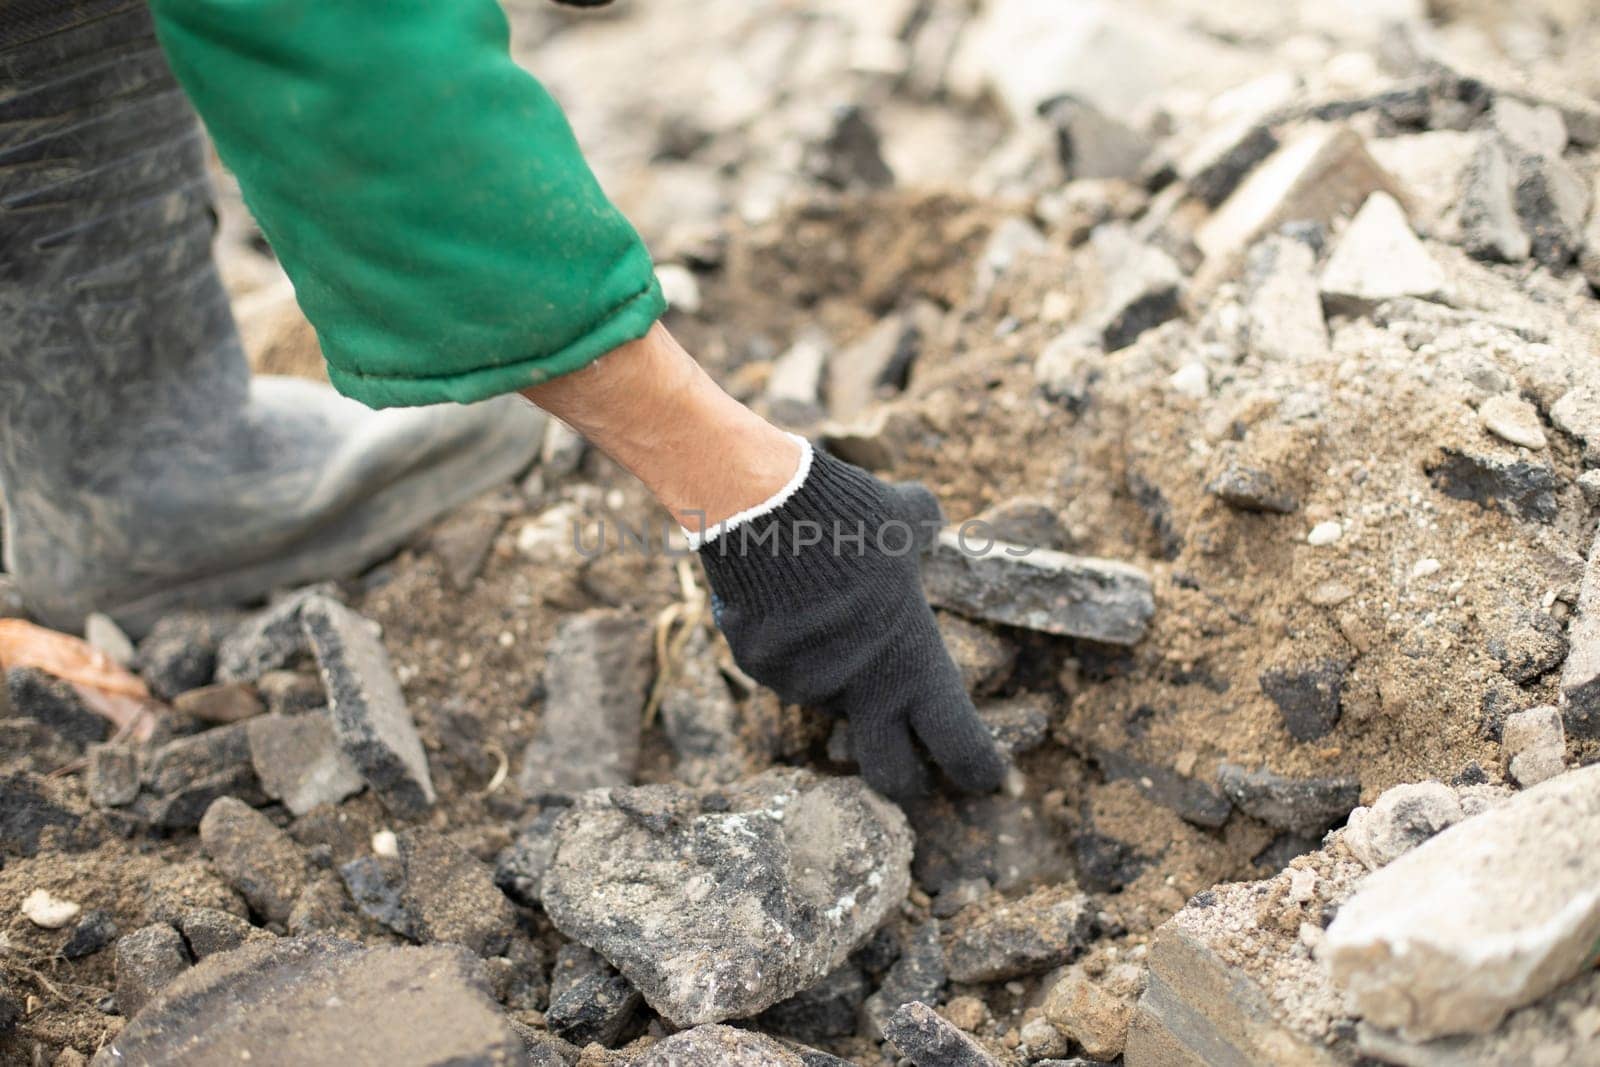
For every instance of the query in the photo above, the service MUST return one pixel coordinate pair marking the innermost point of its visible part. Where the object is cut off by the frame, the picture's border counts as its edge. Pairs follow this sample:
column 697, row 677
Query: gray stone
column 562, row 450
column 1197, row 801
column 433, row 891
column 462, row 543
column 927, row 1039
column 825, row 1010
column 184, row 776
column 1283, row 309
column 180, row 652
column 1580, row 674
column 1220, row 160
column 1577, row 414
column 1200, row 1009
column 209, row 931
column 1251, row 489
column 299, row 761
column 1073, row 596
column 984, row 657
column 597, row 671
column 112, row 775
column 723, row 914
column 102, row 631
column 1489, row 915
column 702, row 720
column 1512, row 419
column 1400, row 819
column 370, row 718
column 289, row 1001
column 1018, row 725
column 520, row 867
column 1525, row 488
column 223, row 703
column 1092, row 144
column 147, row 961
column 794, row 388
column 1379, row 258
column 919, row 974
column 254, row 856
column 721, row 1046
column 271, row 638
column 1068, row 369
column 995, row 941
column 589, row 1000
column 877, row 363
column 1303, row 805
column 1307, row 695
column 1534, row 745
column 1142, row 289
column 48, row 700
column 1490, row 228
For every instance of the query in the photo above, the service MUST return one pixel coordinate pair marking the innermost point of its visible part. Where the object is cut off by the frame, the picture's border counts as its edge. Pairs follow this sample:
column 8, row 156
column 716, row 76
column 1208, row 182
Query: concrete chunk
column 1379, row 258
column 1074, row 596
column 1580, row 674
column 299, row 761
column 369, row 714
column 1490, row 915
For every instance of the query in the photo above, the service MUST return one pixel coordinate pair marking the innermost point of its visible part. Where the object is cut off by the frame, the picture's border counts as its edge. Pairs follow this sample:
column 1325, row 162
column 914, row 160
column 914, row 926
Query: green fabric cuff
column 425, row 194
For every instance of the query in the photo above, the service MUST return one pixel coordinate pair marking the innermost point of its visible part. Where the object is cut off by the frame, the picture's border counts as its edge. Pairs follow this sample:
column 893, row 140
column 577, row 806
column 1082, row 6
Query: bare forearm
column 649, row 406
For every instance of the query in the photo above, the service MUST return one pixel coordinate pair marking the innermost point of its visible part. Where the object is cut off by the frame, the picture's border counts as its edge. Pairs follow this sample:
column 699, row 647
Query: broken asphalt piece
column 589, row 1000
column 919, row 974
column 1307, row 695
column 1525, row 488
column 184, row 776
column 1073, row 596
column 1251, row 489
column 180, row 651
column 827, row 1010
column 927, row 1039
column 34, row 813
column 721, row 1046
column 1487, row 916
column 597, row 671
column 1199, row 802
column 724, row 913
column 222, row 703
column 255, row 857
column 1303, row 805
column 147, row 960
column 288, row 1001
column 299, row 761
column 432, row 891
column 47, row 699
column 271, row 638
column 369, row 714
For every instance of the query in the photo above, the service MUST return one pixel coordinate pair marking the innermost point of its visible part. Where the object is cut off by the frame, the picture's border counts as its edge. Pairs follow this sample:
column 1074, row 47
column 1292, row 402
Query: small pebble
column 1192, row 380
column 103, row 633
column 385, row 843
column 679, row 286
column 46, row 910
column 1302, row 884
column 1512, row 419
column 1324, row 533
column 1330, row 594
column 1426, row 567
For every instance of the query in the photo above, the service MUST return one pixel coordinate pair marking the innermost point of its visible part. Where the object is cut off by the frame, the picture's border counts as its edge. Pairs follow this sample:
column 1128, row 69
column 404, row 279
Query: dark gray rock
column 1552, row 201
column 520, row 867
column 1525, row 488
column 185, row 776
column 12, row 1006
column 1026, row 521
column 919, row 974
column 721, row 1046
column 289, row 1001
column 271, row 638
column 1216, row 165
column 47, row 699
column 180, row 652
column 728, row 912
column 1307, row 695
column 927, row 1039
column 433, row 891
column 209, row 931
column 369, row 714
column 462, row 543
column 1531, row 645
column 995, row 941
column 26, row 745
column 589, row 1000
column 702, row 720
column 1251, row 489
column 33, row 814
column 826, row 1010
column 111, row 777
column 1073, row 596
column 147, row 960
column 1201, row 803
column 1143, row 288
column 299, row 761
column 95, row 930
column 1303, row 805
column 1019, row 725
column 1104, row 863
column 1001, row 839
column 849, row 155
column 596, row 675
column 255, row 857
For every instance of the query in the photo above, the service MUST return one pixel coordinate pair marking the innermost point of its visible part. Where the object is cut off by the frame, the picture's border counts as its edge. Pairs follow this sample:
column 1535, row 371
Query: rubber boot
column 142, row 468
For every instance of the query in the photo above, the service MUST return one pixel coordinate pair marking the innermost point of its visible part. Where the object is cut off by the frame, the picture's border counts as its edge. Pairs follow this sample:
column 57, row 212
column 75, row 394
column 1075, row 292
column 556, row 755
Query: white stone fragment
column 44, row 909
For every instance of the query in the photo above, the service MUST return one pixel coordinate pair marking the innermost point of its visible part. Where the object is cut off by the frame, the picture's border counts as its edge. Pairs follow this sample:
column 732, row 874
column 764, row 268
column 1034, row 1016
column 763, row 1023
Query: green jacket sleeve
column 425, row 194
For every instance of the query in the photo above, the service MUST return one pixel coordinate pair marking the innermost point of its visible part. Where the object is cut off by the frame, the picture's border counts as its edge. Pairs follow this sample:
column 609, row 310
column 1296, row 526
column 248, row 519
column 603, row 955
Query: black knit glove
column 821, row 600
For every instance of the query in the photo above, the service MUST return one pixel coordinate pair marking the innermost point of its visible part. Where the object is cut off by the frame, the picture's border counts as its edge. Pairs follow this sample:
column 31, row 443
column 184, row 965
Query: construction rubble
column 1253, row 351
